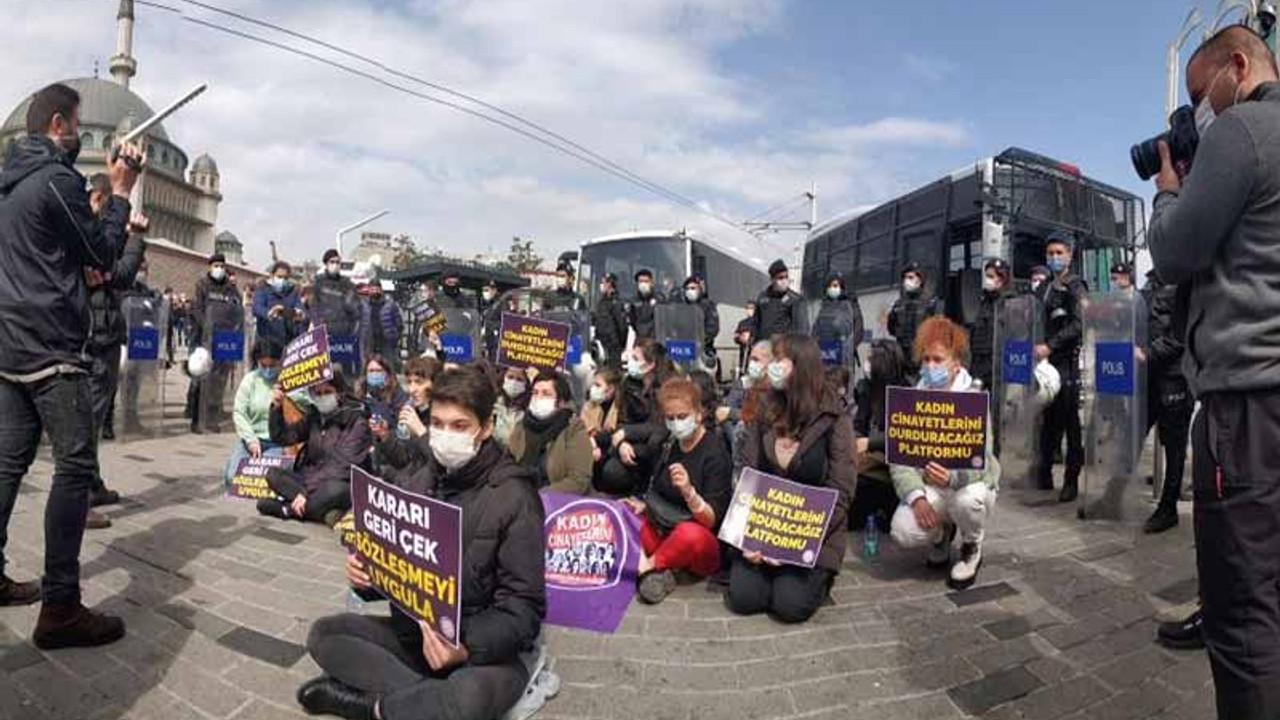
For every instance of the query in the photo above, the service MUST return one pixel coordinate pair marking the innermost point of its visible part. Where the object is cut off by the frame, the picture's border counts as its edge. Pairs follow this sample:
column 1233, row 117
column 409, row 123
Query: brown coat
column 569, row 457
column 597, row 421
column 827, row 457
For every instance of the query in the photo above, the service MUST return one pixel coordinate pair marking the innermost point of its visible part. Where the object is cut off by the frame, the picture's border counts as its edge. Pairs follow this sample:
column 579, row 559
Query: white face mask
column 634, row 368
column 782, row 284
column 833, row 292
column 513, row 388
column 140, row 277
column 598, row 394
column 911, row 285
column 1205, row 114
column 644, row 288
column 866, row 368
column 218, row 274
column 990, row 284
column 542, row 407
column 691, row 294
column 279, row 283
column 452, row 449
column 778, row 375
column 755, row 370
column 488, row 294
column 684, row 428
column 326, row 404
column 334, row 269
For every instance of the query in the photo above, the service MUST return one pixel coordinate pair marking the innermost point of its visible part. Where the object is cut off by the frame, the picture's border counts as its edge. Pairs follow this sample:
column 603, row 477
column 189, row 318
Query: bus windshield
column 665, row 257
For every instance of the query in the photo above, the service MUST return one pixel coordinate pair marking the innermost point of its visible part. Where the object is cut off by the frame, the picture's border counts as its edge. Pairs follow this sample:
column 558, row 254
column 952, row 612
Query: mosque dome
column 104, row 105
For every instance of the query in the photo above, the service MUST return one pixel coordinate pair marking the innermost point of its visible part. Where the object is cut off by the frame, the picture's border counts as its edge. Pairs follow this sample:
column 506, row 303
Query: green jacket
column 253, row 407
column 909, row 481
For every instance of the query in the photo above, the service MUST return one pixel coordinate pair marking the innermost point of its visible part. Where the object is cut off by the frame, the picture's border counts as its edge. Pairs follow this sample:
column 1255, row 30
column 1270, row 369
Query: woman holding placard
column 687, row 499
column 802, row 434
column 252, row 409
column 394, row 667
column 937, row 504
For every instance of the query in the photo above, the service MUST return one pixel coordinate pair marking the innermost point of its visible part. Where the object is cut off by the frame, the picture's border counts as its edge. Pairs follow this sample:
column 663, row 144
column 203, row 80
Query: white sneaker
column 940, row 554
column 965, row 571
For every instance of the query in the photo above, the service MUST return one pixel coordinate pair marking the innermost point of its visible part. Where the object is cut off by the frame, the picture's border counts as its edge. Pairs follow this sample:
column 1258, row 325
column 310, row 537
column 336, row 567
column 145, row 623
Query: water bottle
column 354, row 603
column 402, row 431
column 871, row 538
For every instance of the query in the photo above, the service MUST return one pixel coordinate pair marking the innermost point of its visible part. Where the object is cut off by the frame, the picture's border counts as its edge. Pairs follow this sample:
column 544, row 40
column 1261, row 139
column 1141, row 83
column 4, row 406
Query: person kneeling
column 936, row 502
column 686, row 500
column 394, row 668
column 318, row 488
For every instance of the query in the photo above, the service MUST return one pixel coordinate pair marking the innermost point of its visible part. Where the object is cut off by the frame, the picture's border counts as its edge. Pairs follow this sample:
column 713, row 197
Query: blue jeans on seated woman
column 240, row 452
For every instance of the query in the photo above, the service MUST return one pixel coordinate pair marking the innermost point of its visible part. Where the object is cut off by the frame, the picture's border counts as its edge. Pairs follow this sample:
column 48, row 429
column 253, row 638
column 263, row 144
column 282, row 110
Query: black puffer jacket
column 1165, row 380
column 777, row 313
column 503, row 578
column 335, row 305
column 1064, row 325
column 908, row 312
column 640, row 314
column 610, row 321
column 982, row 337
column 48, row 235
column 217, row 306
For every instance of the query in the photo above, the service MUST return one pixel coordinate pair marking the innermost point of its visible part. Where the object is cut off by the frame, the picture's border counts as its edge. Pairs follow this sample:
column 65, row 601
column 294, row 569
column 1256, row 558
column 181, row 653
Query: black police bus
column 1001, row 207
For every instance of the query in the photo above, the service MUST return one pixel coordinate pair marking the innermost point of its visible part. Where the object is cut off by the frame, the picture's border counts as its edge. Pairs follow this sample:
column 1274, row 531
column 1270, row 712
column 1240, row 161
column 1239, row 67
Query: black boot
column 14, row 593
column 63, row 626
column 100, row 495
column 1182, row 634
column 1070, row 490
column 326, row 696
column 273, row 507
column 1164, row 518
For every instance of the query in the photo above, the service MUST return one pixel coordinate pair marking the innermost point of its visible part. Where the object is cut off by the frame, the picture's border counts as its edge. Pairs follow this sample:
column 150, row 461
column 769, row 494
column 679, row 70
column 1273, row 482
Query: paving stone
column 262, row 647
column 1134, row 668
column 609, row 672
column 1183, row 591
column 18, row 656
column 1019, row 625
column 1102, row 550
column 1144, row 701
column 928, row 707
column 981, row 594
column 980, row 696
column 139, row 458
column 193, row 618
column 1059, row 700
column 58, row 692
column 280, row 537
column 1019, row 651
column 203, row 689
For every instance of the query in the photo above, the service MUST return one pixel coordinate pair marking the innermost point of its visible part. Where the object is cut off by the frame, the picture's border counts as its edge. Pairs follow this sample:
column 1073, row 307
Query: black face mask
column 70, row 147
column 452, row 290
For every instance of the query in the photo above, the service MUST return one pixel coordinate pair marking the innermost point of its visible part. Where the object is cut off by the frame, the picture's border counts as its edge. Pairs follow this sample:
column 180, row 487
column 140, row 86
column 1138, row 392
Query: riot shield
column 1114, row 385
column 1015, row 408
column 140, row 399
column 460, row 340
column 831, row 325
column 680, row 327
column 224, row 338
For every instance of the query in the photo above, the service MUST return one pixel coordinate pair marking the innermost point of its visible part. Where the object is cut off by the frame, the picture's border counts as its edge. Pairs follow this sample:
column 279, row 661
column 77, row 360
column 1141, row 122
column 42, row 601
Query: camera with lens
column 1182, row 137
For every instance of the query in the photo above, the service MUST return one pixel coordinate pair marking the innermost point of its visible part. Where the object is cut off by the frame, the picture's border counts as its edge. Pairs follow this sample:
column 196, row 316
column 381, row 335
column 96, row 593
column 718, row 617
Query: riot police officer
column 742, row 335
column 695, row 294
column 451, row 296
column 609, row 318
column 840, row 317
column 1122, row 277
column 1063, row 333
column 996, row 286
column 488, row 296
column 1169, row 401
column 640, row 311
column 217, row 306
column 915, row 303
column 1039, row 281
column 566, row 296
column 778, row 307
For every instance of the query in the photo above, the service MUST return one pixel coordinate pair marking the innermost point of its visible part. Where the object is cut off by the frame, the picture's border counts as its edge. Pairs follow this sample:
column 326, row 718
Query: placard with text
column 411, row 547
column 249, row 482
column 592, row 557
column 924, row 426
column 306, row 361
column 782, row 520
column 532, row 342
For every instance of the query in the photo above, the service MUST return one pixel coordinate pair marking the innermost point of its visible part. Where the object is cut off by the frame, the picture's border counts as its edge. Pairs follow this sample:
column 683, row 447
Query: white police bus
column 1001, row 207
column 734, row 273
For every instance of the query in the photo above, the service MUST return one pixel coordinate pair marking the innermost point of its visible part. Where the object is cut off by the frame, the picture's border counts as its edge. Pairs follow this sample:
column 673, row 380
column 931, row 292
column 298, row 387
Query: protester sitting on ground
column 318, row 486
column 552, row 441
column 636, row 442
column 404, row 447
column 512, row 403
column 886, row 367
column 838, row 377
column 380, row 389
column 936, row 502
column 600, row 411
column 802, row 435
column 394, row 667
column 252, row 411
column 687, row 500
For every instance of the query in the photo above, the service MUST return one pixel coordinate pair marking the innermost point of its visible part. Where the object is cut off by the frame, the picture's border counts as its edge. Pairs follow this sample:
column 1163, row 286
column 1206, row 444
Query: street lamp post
column 357, row 226
column 1193, row 20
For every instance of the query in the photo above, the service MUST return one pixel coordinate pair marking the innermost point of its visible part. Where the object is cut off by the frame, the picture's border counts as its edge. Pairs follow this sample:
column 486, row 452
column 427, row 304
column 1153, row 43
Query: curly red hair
column 939, row 330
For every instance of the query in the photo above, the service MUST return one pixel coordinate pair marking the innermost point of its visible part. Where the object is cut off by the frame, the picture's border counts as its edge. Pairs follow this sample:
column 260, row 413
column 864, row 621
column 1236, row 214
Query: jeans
column 103, row 382
column 63, row 406
column 368, row 654
column 239, row 452
column 968, row 507
column 1236, row 478
column 789, row 593
column 689, row 546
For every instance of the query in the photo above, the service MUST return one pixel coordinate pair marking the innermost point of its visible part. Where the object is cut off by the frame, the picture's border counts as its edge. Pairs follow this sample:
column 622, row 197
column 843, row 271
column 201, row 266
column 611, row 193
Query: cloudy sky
column 738, row 104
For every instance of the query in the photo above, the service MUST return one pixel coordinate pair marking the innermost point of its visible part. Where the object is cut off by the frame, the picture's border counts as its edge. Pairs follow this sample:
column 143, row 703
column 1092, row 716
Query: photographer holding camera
column 1214, row 232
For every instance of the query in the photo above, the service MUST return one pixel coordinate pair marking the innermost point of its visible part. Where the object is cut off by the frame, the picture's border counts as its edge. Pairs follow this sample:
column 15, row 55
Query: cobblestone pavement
column 218, row 602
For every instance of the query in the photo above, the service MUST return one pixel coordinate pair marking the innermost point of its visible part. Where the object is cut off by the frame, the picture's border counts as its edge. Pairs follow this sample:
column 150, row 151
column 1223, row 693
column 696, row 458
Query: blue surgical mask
column 935, row 377
column 1057, row 263
column 279, row 284
column 376, row 379
column 633, row 367
column 270, row 374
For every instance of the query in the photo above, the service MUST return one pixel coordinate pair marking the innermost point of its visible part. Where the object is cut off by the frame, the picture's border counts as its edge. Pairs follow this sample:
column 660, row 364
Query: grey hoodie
column 1219, row 236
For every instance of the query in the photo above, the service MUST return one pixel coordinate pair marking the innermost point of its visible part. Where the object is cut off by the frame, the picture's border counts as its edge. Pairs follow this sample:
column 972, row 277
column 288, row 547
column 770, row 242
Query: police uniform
column 1169, row 401
column 1063, row 332
column 982, row 331
column 609, row 318
column 909, row 311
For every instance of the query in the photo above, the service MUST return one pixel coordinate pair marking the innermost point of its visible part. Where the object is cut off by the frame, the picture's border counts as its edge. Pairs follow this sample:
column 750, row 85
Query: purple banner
column 593, row 553
column 306, row 361
column 532, row 342
column 250, row 479
column 924, row 426
column 782, row 520
column 411, row 546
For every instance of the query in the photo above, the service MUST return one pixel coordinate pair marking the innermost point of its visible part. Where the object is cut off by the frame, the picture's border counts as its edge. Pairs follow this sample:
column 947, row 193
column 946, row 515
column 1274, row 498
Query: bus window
column 663, row 256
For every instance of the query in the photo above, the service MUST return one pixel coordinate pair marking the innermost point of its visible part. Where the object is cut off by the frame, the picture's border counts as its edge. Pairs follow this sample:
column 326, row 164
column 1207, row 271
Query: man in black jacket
column 217, row 307
column 778, row 308
column 695, row 293
column 914, row 304
column 640, row 311
column 997, row 282
column 1169, row 401
column 49, row 235
column 610, row 321
column 1063, row 334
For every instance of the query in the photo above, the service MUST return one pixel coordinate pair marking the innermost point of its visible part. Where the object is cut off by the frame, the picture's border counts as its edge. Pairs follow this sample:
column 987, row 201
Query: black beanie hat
column 777, row 268
column 330, row 254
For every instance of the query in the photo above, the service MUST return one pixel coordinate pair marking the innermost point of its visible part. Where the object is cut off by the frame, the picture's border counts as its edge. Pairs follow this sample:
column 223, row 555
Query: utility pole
column 760, row 228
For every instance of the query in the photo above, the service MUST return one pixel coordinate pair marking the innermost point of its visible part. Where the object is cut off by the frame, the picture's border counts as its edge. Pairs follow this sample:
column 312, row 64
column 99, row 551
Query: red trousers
column 689, row 547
